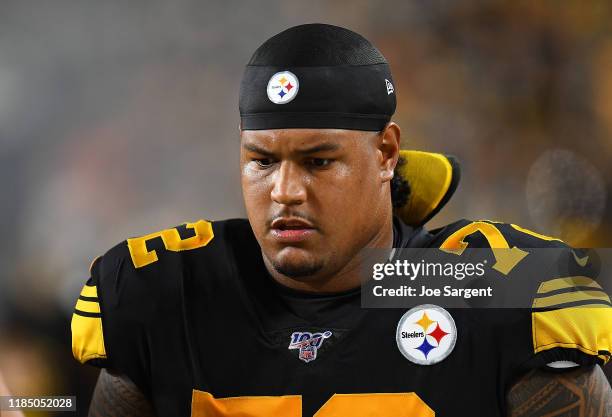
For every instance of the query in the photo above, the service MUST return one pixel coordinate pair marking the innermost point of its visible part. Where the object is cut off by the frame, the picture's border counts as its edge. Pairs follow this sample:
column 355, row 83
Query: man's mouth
column 291, row 229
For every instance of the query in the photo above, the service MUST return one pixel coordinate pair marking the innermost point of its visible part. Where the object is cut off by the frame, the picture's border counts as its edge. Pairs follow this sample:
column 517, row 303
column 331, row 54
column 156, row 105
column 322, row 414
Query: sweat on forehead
column 317, row 76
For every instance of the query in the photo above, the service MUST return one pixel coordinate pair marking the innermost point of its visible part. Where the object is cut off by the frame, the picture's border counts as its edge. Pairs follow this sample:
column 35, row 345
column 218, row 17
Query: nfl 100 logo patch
column 308, row 344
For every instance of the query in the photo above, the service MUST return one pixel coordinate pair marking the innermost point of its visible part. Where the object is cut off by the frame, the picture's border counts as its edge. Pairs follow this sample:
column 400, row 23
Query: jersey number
column 203, row 404
column 506, row 258
column 141, row 256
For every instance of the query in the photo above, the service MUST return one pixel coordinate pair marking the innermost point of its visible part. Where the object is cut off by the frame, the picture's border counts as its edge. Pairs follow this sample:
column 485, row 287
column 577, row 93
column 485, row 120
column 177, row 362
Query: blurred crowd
column 118, row 119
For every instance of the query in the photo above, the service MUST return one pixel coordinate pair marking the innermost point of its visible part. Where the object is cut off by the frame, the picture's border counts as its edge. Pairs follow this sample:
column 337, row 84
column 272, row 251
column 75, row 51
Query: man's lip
column 291, row 235
column 291, row 229
column 290, row 223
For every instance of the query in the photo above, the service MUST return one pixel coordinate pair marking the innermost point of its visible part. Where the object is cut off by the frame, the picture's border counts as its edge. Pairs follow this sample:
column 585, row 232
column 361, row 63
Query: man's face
column 314, row 197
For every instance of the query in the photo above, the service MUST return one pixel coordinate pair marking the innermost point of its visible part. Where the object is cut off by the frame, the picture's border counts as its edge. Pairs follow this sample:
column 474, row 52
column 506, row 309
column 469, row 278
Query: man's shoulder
column 490, row 234
column 141, row 275
column 200, row 239
column 140, row 282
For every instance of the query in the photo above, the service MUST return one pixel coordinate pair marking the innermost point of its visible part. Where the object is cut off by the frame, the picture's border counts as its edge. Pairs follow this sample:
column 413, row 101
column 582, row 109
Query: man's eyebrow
column 254, row 148
column 323, row 147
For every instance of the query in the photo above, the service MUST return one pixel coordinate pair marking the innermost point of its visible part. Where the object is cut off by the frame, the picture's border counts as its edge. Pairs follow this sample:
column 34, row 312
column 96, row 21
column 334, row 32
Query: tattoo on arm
column 116, row 396
column 584, row 392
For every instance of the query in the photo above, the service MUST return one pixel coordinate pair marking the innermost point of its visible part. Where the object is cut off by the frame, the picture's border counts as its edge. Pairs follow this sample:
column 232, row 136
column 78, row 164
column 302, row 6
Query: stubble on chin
column 297, row 270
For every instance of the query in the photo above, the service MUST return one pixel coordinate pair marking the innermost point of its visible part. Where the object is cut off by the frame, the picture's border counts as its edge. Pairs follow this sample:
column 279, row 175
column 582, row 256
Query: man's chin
column 297, row 270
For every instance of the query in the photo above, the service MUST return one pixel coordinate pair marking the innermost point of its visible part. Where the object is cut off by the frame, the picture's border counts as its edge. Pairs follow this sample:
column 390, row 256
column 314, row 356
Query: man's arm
column 584, row 392
column 116, row 396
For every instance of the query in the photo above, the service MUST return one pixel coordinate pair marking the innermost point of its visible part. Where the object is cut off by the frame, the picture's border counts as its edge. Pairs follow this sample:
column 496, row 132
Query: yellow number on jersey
column 203, row 404
column 506, row 258
column 172, row 242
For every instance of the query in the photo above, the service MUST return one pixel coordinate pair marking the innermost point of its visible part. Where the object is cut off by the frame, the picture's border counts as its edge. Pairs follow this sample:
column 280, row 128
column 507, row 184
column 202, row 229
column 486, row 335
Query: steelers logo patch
column 283, row 87
column 426, row 334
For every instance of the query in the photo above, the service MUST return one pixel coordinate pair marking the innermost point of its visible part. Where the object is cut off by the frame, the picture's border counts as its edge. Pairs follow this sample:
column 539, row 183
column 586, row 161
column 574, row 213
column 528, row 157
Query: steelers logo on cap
column 426, row 334
column 282, row 87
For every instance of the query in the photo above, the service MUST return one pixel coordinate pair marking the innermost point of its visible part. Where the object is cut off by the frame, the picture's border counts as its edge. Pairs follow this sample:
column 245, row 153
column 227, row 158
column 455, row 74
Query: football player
column 262, row 317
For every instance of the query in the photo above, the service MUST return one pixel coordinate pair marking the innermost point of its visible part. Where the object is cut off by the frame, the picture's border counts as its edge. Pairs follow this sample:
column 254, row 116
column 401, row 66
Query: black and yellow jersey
column 191, row 315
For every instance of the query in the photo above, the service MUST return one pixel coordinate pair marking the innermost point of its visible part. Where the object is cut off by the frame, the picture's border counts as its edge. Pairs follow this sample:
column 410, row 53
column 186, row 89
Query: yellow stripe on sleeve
column 567, row 282
column 569, row 297
column 89, row 291
column 88, row 306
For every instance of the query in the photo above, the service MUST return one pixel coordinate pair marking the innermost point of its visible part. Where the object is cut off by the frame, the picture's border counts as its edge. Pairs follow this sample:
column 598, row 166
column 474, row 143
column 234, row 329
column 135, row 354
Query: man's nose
column 289, row 188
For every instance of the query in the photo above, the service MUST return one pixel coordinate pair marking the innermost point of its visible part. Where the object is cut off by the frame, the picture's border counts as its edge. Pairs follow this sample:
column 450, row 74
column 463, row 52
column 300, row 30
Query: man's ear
column 389, row 148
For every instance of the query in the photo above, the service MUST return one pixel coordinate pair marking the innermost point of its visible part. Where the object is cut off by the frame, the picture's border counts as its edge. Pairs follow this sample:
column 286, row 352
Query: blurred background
column 120, row 118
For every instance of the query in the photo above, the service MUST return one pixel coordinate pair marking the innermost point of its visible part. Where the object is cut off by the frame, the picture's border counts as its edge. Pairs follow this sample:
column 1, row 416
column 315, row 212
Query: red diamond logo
column 438, row 333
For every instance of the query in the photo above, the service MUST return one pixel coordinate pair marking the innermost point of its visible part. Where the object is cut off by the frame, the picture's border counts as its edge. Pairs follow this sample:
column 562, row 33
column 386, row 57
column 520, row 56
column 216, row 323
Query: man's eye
column 320, row 162
column 263, row 162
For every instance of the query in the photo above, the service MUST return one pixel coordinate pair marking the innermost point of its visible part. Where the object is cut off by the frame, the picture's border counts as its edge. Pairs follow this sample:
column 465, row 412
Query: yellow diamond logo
column 425, row 321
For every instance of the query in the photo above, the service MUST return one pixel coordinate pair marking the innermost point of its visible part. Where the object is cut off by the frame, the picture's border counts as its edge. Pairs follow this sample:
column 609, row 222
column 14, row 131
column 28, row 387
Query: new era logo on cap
column 389, row 86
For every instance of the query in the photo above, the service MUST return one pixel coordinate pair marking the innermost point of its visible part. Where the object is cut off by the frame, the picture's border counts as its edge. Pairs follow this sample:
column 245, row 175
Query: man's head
column 318, row 150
